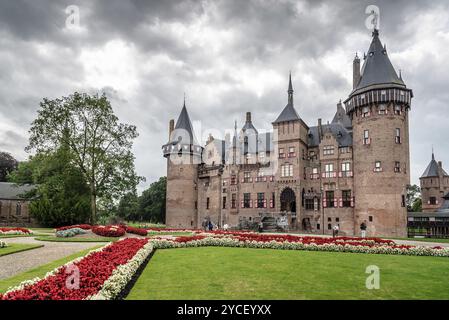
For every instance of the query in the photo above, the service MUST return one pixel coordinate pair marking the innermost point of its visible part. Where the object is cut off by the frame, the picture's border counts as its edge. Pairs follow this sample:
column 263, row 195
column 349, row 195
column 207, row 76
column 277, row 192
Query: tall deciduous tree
column 101, row 146
column 7, row 165
column 413, row 198
column 152, row 202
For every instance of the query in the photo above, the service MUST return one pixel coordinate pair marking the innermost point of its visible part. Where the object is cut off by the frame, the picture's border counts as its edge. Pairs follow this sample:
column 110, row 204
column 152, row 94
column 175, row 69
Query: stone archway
column 288, row 200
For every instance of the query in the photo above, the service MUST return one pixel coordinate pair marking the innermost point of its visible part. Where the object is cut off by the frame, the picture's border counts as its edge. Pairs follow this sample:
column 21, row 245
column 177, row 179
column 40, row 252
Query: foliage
column 68, row 233
column 7, row 164
column 101, row 146
column 61, row 196
column 152, row 202
column 413, row 198
column 128, row 207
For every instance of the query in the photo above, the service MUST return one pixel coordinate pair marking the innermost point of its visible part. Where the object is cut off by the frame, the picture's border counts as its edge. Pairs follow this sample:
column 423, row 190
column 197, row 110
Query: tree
column 413, row 198
column 101, row 146
column 152, row 202
column 61, row 196
column 7, row 165
column 128, row 207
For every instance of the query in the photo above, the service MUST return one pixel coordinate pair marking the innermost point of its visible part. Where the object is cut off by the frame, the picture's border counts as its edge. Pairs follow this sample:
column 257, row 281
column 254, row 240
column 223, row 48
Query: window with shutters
column 260, row 200
column 346, row 198
column 330, row 199
column 246, row 200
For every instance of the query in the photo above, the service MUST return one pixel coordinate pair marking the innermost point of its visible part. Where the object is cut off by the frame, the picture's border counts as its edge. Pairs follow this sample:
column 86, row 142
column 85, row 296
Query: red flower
column 109, row 231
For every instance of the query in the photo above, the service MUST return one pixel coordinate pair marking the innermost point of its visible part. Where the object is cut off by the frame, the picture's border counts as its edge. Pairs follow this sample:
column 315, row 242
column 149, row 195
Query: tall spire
column 433, row 154
column 290, row 90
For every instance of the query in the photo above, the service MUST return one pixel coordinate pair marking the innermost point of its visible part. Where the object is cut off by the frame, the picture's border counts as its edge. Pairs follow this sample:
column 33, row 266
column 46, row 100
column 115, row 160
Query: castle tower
column 434, row 185
column 378, row 107
column 183, row 155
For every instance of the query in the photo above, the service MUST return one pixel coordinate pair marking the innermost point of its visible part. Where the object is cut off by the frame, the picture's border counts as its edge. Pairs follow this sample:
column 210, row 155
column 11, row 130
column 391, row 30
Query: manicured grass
column 75, row 239
column 39, row 271
column 16, row 247
column 169, row 233
column 4, row 236
column 243, row 273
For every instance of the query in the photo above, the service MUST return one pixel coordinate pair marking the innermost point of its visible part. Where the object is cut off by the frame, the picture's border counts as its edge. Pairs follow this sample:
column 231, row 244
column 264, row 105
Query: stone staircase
column 269, row 224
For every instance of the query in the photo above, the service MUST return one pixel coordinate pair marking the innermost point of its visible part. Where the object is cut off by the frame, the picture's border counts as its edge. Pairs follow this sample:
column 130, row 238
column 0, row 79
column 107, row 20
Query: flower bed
column 15, row 231
column 67, row 233
column 286, row 242
column 80, row 226
column 103, row 274
column 138, row 231
column 2, row 244
column 172, row 230
column 109, row 231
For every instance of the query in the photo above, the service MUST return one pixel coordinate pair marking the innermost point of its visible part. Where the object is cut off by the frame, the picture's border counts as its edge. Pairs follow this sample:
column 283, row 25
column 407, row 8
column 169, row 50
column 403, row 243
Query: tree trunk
column 93, row 205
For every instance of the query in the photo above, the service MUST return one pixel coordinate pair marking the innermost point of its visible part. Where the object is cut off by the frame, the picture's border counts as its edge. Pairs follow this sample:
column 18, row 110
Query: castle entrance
column 288, row 200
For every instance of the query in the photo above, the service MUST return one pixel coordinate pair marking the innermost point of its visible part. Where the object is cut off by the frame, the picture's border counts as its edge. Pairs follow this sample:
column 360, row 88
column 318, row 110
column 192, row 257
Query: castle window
column 397, row 110
column 329, row 171
column 196, row 205
column 346, row 169
column 403, row 201
column 261, row 176
column 346, row 198
column 397, row 167
column 281, row 153
column 329, row 219
column 247, row 177
column 233, row 201
column 365, row 112
column 291, row 152
column 272, row 200
column 261, row 200
column 382, row 109
column 378, row 166
column 370, row 218
column 314, row 174
column 383, row 95
column 287, row 170
column 329, row 226
column 330, row 200
column 309, row 204
column 207, row 203
column 366, row 138
column 432, row 201
column 398, row 135
column 318, row 226
column 328, row 150
column 344, row 150
column 19, row 209
column 246, row 200
column 224, row 202
column 233, row 180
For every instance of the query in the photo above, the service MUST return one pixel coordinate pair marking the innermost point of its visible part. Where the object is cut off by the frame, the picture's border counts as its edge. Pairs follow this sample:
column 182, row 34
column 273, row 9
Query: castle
column 351, row 171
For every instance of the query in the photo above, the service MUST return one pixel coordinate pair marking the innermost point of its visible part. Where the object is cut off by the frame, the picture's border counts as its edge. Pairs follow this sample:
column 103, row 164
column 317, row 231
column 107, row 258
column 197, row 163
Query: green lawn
column 5, row 236
column 39, row 271
column 242, row 273
column 16, row 247
column 75, row 239
column 169, row 233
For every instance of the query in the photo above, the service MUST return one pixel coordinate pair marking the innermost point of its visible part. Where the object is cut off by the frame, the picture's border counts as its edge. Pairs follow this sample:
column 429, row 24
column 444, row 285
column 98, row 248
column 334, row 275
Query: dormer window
column 365, row 112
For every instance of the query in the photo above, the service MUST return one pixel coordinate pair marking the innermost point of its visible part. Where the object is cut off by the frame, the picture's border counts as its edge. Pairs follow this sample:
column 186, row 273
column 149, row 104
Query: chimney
column 171, row 127
column 320, row 130
column 355, row 71
column 440, row 164
column 248, row 117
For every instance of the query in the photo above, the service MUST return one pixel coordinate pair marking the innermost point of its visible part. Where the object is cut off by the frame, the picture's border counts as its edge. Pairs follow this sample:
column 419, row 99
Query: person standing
column 260, row 226
column 211, row 226
column 336, row 229
column 363, row 229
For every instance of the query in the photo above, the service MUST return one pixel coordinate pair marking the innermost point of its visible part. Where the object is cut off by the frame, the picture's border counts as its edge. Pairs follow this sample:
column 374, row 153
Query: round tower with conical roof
column 379, row 108
column 183, row 154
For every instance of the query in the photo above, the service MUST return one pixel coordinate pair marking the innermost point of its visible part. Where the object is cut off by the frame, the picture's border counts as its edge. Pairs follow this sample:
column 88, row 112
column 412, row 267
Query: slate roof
column 183, row 129
column 341, row 117
column 12, row 191
column 248, row 126
column 343, row 136
column 377, row 68
column 432, row 169
column 288, row 114
column 445, row 206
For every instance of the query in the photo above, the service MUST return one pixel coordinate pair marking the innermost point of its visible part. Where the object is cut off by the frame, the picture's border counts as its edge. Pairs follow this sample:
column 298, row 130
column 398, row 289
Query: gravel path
column 13, row 264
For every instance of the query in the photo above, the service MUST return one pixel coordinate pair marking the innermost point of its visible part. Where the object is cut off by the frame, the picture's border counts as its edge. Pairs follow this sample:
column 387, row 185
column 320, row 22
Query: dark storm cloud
column 229, row 56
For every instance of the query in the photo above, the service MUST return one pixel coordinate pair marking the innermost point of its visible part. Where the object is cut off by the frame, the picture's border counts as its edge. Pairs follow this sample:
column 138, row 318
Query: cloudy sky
column 228, row 56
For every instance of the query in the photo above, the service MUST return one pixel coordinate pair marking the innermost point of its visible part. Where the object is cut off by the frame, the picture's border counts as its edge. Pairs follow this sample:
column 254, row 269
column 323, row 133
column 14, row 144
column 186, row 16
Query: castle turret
column 183, row 155
column 378, row 107
column 434, row 184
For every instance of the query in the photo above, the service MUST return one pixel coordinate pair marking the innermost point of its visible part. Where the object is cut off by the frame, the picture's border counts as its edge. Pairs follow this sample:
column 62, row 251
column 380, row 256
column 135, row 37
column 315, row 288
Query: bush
column 2, row 244
column 109, row 231
column 138, row 231
column 68, row 233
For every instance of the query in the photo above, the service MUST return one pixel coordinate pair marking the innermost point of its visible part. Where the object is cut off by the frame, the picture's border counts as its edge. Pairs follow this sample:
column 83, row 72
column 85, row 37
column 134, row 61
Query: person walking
column 335, row 230
column 260, row 226
column 211, row 226
column 363, row 229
